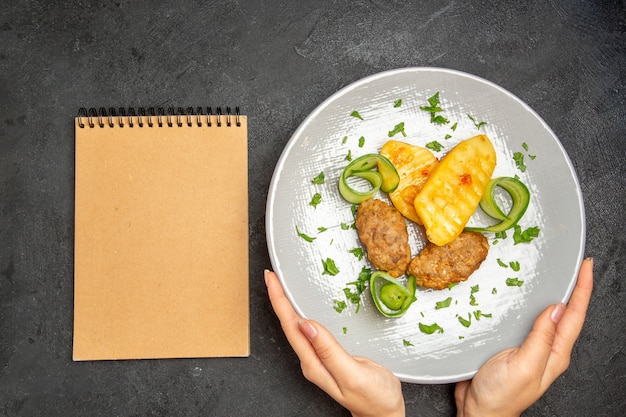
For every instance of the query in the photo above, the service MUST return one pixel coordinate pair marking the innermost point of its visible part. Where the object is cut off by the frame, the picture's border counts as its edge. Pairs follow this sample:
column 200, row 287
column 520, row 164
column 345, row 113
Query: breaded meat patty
column 382, row 230
column 439, row 266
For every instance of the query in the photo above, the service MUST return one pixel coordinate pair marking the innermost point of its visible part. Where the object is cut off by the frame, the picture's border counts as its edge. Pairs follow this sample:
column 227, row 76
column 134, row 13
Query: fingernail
column 557, row 313
column 307, row 328
column 265, row 275
column 590, row 259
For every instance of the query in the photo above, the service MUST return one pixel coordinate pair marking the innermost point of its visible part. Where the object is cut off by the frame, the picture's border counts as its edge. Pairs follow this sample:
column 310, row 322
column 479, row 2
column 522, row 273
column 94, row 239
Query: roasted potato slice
column 453, row 190
column 413, row 164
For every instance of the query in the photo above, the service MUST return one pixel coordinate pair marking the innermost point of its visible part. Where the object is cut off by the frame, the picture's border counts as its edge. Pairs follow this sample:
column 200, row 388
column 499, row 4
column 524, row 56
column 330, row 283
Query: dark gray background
column 278, row 60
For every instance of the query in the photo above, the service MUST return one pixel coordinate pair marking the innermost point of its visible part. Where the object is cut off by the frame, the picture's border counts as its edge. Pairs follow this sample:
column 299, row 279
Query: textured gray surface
column 278, row 60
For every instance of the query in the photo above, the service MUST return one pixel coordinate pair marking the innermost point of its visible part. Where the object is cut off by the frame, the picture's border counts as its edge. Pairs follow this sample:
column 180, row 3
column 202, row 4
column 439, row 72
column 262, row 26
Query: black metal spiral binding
column 173, row 117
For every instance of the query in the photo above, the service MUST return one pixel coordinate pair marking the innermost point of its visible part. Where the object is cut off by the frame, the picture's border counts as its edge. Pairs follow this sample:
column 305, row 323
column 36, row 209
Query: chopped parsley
column 397, row 103
column 433, row 104
column 317, row 198
column 524, row 236
column 344, row 140
column 399, row 128
column 329, row 267
column 454, row 126
column 433, row 108
column 321, row 229
column 434, row 146
column 407, row 343
column 518, row 157
column 452, row 285
column 494, row 290
column 525, row 146
column 356, row 114
column 349, row 156
column 304, row 236
column 358, row 252
column 339, row 305
column 443, row 304
column 478, row 314
column 514, row 282
column 474, row 290
column 440, row 120
column 360, row 286
column 362, row 280
column 345, row 330
column 477, row 124
column 361, row 141
column 515, row 266
column 354, row 209
column 430, row 328
column 497, row 236
column 464, row 322
column 354, row 298
column 319, row 179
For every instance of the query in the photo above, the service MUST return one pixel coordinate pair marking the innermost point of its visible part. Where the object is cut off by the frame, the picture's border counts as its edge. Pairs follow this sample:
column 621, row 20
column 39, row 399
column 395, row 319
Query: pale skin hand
column 514, row 379
column 504, row 386
column 362, row 386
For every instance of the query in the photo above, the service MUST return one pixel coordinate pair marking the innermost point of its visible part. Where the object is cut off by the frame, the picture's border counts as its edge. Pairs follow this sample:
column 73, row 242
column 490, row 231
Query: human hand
column 511, row 381
column 360, row 385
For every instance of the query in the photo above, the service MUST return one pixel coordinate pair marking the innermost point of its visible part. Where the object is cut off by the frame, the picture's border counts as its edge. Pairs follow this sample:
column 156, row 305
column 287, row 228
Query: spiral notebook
column 161, row 234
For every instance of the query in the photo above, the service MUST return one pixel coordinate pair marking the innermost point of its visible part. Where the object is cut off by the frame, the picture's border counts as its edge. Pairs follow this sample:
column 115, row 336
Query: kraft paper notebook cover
column 161, row 234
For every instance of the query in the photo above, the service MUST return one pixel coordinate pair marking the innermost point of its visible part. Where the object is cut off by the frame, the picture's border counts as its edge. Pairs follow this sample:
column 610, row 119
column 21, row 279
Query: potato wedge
column 413, row 164
column 453, row 190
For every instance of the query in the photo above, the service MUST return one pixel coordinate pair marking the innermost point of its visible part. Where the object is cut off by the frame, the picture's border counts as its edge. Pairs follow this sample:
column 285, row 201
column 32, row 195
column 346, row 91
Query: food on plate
column 385, row 178
column 383, row 232
column 520, row 197
column 413, row 164
column 392, row 298
column 437, row 267
column 454, row 189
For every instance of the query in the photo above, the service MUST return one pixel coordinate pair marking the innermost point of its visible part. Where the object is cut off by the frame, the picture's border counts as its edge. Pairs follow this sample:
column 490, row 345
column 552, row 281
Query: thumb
column 332, row 355
column 535, row 351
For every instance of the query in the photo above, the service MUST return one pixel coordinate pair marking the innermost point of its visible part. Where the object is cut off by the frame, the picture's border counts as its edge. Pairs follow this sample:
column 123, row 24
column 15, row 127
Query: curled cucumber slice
column 519, row 195
column 386, row 178
column 392, row 298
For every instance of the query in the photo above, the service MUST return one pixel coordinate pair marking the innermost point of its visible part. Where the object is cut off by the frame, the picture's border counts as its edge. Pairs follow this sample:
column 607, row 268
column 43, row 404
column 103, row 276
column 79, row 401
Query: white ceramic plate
column 548, row 265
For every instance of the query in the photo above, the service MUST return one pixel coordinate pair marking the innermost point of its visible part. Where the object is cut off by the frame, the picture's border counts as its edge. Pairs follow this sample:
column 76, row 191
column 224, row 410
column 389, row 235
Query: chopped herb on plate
column 514, row 282
column 434, row 146
column 329, row 267
column 317, row 198
column 356, row 114
column 358, row 252
column 339, row 306
column 518, row 157
column 524, row 236
column 430, row 328
column 465, row 322
column 399, row 128
column 319, row 179
column 477, row 124
column 304, row 236
column 443, row 304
